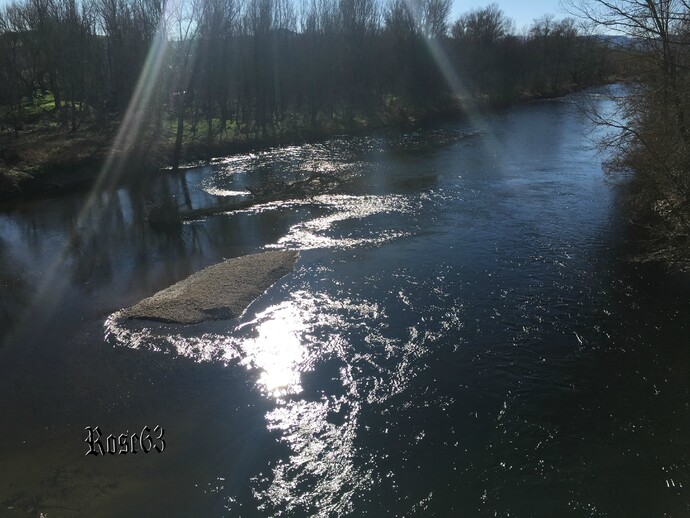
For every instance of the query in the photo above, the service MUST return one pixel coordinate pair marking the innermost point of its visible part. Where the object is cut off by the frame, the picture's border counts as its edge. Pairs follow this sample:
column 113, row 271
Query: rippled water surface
column 461, row 337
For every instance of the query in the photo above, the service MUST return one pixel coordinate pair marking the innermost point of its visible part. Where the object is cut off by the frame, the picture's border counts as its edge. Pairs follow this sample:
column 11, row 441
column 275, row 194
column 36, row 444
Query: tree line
column 211, row 69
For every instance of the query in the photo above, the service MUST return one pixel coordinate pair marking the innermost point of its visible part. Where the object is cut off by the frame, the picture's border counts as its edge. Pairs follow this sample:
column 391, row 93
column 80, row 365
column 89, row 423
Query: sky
column 522, row 11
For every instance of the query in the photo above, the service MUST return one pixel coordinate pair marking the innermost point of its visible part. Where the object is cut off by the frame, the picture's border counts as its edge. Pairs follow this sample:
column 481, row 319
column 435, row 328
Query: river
column 463, row 335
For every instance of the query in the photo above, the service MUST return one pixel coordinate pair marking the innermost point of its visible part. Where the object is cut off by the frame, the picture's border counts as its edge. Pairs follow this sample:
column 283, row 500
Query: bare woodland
column 215, row 69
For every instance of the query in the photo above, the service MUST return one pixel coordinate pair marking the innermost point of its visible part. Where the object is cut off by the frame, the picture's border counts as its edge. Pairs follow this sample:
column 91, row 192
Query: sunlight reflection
column 361, row 359
column 216, row 191
column 322, row 232
column 322, row 458
column 278, row 350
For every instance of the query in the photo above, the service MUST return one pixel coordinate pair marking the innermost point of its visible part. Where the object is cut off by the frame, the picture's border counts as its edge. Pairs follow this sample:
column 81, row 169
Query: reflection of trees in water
column 115, row 239
column 116, row 247
column 108, row 255
column 13, row 290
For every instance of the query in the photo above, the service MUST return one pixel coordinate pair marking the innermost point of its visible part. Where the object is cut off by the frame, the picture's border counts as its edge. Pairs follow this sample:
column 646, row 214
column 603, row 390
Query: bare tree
column 486, row 25
column 185, row 29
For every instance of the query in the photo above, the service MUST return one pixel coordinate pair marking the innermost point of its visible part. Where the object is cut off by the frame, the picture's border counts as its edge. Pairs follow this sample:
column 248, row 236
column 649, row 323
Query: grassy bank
column 45, row 155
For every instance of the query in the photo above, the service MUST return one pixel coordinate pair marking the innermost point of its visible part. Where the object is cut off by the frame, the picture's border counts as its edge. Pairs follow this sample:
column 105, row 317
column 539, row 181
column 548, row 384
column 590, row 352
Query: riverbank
column 657, row 229
column 44, row 157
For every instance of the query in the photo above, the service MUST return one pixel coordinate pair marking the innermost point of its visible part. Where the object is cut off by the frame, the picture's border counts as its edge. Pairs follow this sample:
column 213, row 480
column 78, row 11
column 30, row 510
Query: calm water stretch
column 461, row 336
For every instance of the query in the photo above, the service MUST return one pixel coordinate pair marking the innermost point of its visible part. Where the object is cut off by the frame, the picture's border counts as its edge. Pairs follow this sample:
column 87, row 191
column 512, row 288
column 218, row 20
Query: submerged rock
column 221, row 291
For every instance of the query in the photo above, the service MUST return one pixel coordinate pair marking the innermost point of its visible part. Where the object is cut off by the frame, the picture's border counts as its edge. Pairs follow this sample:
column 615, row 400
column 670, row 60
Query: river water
column 462, row 336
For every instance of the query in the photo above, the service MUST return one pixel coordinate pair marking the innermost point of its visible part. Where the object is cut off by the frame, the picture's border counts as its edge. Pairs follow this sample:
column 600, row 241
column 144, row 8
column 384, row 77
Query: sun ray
column 128, row 134
column 454, row 81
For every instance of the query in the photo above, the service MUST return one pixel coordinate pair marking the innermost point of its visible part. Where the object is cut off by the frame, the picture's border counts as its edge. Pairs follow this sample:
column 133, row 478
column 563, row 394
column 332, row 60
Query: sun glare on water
column 278, row 350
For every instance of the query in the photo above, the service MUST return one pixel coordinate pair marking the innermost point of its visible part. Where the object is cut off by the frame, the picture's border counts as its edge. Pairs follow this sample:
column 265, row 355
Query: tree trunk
column 177, row 149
